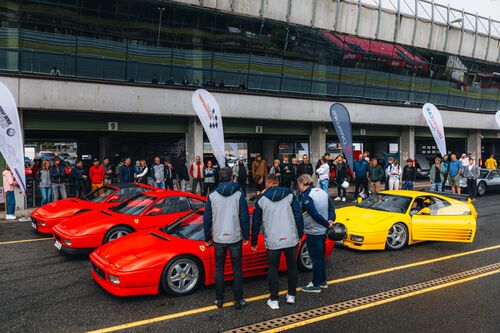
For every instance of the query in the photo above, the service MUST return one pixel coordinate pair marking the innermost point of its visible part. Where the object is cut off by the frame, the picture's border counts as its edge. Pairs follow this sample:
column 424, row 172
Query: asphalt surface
column 43, row 291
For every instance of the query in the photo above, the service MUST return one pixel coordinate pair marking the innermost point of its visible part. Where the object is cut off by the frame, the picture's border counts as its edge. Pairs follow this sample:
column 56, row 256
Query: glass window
column 172, row 205
column 189, row 227
column 135, row 206
column 387, row 203
column 196, row 203
column 100, row 194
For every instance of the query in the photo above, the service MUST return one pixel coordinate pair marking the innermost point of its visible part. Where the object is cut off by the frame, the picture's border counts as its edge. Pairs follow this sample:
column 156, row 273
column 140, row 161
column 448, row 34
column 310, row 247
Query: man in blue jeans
column 319, row 215
column 227, row 227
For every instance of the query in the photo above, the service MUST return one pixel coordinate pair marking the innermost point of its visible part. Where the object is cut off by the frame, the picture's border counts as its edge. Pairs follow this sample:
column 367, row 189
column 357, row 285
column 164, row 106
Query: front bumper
column 79, row 244
column 371, row 241
column 143, row 282
column 44, row 225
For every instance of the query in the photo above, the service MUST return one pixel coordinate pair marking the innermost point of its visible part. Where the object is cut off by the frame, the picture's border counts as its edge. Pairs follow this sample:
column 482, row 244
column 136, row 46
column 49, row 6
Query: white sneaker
column 10, row 217
column 337, row 199
column 274, row 305
column 343, row 199
column 290, row 299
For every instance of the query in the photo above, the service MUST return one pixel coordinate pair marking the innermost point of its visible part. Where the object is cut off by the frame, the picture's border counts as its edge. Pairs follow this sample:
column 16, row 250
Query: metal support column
column 432, row 25
column 288, row 11
column 337, row 10
column 416, row 23
column 313, row 17
column 379, row 12
column 475, row 38
column 358, row 16
column 461, row 33
column 398, row 18
column 489, row 39
column 447, row 27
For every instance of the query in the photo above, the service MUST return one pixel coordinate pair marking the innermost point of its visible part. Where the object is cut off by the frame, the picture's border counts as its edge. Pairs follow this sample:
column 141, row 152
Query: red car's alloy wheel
column 116, row 233
column 181, row 276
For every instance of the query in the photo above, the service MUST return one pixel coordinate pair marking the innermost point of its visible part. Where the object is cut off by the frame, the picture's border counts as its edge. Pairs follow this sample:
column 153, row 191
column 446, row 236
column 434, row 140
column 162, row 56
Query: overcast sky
column 482, row 7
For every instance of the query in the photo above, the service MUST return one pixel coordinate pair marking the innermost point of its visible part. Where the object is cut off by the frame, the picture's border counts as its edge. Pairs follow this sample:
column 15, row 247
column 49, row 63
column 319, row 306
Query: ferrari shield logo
column 136, row 221
column 202, row 248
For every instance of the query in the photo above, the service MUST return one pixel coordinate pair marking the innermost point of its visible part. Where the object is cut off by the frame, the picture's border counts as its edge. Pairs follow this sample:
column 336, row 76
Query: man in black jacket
column 305, row 167
column 58, row 178
column 169, row 176
column 409, row 175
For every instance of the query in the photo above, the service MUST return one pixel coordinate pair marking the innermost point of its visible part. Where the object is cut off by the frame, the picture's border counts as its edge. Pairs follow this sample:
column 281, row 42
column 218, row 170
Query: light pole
column 161, row 9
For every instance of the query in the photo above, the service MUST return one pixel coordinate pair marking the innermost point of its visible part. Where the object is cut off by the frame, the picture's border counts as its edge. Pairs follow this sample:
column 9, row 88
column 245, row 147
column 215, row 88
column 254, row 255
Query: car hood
column 139, row 250
column 62, row 208
column 81, row 222
column 356, row 217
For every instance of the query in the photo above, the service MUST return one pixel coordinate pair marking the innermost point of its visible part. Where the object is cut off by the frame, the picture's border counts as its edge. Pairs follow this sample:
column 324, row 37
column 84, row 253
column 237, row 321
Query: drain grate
column 354, row 303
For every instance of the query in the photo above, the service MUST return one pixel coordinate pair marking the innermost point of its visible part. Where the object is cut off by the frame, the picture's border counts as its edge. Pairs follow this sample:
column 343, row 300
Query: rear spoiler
column 456, row 196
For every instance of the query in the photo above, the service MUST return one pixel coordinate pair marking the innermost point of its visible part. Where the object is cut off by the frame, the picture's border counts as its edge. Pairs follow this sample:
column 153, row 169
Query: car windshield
column 188, row 227
column 134, row 206
column 387, row 203
column 100, row 194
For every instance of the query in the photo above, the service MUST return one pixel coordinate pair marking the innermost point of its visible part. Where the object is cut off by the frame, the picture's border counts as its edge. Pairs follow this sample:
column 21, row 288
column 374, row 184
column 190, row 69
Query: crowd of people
column 55, row 179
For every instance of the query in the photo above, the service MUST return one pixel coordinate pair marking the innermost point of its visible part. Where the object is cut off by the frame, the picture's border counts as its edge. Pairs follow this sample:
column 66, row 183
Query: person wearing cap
column 96, row 174
column 279, row 214
column 58, row 179
column 409, row 175
column 319, row 215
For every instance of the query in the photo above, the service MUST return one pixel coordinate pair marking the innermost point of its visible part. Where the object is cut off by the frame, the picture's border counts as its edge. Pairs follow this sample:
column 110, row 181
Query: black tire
column 397, row 237
column 481, row 189
column 303, row 260
column 117, row 232
column 189, row 269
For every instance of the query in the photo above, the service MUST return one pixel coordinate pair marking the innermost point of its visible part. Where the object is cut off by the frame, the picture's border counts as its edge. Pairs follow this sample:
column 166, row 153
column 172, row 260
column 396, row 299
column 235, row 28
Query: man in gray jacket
column 471, row 172
column 227, row 227
column 279, row 214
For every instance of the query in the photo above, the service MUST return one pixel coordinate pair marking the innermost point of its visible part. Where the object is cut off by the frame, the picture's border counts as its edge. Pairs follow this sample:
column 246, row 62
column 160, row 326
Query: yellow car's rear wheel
column 397, row 238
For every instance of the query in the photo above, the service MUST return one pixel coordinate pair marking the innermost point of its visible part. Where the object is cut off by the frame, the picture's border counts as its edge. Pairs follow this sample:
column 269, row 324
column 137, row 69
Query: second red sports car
column 44, row 218
column 175, row 259
column 84, row 232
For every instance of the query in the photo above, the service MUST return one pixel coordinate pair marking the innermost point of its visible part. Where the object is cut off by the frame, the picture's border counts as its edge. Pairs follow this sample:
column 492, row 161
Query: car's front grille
column 57, row 237
column 99, row 271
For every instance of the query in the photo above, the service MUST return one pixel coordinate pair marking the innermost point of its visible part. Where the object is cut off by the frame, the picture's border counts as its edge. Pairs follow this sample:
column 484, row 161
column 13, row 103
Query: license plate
column 33, row 224
column 58, row 245
column 340, row 242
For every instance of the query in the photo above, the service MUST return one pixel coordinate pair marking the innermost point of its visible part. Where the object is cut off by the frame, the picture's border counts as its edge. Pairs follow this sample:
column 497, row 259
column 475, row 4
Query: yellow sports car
column 393, row 219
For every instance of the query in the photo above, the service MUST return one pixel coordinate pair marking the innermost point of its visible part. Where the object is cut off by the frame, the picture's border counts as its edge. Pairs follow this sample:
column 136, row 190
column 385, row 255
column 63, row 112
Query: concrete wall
column 101, row 97
column 343, row 16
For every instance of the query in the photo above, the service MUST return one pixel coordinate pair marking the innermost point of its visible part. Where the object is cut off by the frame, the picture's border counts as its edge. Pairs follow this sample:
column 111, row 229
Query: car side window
column 122, row 195
column 494, row 175
column 176, row 204
column 437, row 204
column 196, row 203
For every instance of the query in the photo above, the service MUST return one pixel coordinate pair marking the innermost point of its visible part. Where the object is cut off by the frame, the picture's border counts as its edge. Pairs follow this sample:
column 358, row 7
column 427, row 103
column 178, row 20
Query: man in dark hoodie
column 227, row 227
column 319, row 215
column 279, row 212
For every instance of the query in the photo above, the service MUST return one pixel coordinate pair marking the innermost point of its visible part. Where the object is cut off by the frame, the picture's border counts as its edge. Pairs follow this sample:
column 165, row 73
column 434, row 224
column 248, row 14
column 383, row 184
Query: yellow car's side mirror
column 425, row 211
column 360, row 200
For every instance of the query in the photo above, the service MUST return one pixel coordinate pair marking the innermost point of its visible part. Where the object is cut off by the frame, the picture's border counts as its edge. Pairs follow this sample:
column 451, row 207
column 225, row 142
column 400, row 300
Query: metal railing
column 438, row 13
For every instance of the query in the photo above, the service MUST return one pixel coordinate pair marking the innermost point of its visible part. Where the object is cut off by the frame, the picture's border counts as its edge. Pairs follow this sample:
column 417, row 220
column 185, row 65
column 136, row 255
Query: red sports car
column 84, row 232
column 44, row 218
column 174, row 259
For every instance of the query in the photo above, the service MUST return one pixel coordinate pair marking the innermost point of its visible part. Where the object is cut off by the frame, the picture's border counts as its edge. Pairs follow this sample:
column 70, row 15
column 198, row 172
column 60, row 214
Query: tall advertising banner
column 11, row 140
column 208, row 111
column 497, row 118
column 342, row 123
column 435, row 122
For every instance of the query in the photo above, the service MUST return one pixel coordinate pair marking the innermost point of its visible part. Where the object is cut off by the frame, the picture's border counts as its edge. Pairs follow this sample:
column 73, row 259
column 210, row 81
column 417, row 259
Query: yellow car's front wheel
column 397, row 238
